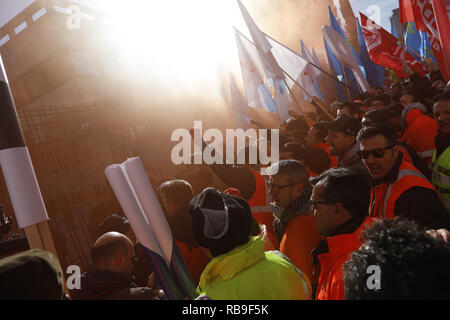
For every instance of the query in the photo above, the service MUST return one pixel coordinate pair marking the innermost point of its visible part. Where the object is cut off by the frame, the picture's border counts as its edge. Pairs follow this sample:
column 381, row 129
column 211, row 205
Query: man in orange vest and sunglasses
column 399, row 189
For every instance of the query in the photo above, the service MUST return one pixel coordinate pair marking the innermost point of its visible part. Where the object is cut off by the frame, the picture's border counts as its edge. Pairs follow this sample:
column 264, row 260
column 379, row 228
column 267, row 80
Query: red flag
column 441, row 9
column 385, row 50
column 406, row 11
column 426, row 21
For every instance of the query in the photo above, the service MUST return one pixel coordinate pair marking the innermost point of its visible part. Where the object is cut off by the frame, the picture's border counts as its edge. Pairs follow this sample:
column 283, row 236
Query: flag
column 310, row 74
column 336, row 70
column 406, row 11
column 384, row 49
column 441, row 9
column 342, row 52
column 425, row 21
column 374, row 72
column 239, row 105
column 263, row 46
column 349, row 75
column 253, row 75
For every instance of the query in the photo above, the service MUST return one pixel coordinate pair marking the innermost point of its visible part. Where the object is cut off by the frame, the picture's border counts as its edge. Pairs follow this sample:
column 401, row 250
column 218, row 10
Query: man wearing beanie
column 240, row 269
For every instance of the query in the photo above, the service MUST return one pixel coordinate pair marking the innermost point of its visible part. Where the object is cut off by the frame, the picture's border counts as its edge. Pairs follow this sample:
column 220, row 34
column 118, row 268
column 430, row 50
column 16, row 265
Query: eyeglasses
column 276, row 188
column 377, row 153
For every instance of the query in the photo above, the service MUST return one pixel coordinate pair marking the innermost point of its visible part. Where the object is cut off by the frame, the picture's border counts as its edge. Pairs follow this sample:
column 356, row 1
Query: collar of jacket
column 347, row 228
column 442, row 142
column 392, row 175
column 297, row 207
column 229, row 264
column 350, row 157
column 408, row 116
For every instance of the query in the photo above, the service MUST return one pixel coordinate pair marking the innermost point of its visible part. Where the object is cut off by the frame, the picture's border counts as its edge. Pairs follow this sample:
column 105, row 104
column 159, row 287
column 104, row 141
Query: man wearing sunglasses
column 399, row 189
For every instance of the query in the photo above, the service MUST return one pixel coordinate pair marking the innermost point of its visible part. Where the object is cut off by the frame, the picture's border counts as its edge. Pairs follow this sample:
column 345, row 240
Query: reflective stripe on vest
column 440, row 177
column 401, row 174
column 426, row 154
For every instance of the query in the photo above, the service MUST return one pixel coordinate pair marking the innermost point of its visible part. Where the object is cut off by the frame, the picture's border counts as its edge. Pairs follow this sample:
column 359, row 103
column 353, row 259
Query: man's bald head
column 113, row 251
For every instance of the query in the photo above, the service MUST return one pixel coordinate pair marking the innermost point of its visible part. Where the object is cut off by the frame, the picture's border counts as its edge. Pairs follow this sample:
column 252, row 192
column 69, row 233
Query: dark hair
column 109, row 249
column 346, row 186
column 178, row 192
column 115, row 223
column 383, row 98
column 352, row 107
column 445, row 96
column 410, row 92
column 321, row 131
column 317, row 160
column 293, row 169
column 379, row 116
column 371, row 131
column 413, row 265
column 396, row 110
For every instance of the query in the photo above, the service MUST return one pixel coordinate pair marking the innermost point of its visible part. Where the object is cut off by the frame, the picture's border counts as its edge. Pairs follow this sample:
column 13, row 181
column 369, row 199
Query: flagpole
column 293, row 97
column 306, row 92
column 317, row 67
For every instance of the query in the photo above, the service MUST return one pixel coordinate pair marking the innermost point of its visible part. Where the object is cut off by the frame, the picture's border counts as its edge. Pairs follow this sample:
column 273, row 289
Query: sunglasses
column 377, row 153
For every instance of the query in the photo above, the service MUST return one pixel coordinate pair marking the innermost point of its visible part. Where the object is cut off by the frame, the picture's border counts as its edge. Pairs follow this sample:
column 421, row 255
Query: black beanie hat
column 220, row 221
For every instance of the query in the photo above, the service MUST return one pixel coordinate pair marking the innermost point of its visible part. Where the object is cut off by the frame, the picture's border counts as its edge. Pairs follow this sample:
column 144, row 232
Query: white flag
column 238, row 105
column 253, row 75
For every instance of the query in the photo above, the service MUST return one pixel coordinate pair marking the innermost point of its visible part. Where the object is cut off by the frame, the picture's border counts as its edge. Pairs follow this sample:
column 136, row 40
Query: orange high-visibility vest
column 326, row 147
column 260, row 206
column 384, row 196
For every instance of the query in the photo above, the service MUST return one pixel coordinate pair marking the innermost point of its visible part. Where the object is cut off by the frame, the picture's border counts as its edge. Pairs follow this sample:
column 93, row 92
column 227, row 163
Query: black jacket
column 110, row 285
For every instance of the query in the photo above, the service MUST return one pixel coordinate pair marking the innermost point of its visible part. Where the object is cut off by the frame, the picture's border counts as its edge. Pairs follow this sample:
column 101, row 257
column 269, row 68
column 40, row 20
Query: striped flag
column 15, row 161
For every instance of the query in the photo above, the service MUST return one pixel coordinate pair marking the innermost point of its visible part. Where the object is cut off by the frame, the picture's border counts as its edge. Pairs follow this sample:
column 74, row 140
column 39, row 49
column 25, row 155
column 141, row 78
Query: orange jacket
column 260, row 206
column 195, row 260
column 326, row 147
column 420, row 133
column 299, row 239
column 384, row 196
column 331, row 278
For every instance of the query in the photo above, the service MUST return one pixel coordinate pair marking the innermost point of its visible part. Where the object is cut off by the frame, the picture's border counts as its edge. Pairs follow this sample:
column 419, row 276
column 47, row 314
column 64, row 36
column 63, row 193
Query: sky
column 10, row 8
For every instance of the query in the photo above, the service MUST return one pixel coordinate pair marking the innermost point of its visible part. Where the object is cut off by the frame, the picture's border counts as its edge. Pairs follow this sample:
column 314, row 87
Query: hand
column 442, row 234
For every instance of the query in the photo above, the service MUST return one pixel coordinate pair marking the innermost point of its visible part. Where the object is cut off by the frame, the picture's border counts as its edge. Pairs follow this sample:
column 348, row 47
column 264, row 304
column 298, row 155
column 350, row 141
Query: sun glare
column 177, row 40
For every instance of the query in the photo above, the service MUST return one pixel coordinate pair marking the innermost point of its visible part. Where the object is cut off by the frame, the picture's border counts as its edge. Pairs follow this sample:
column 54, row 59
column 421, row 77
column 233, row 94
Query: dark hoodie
column 110, row 285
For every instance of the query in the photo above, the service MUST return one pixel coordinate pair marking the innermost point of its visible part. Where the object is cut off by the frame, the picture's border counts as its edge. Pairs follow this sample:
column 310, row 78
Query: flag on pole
column 310, row 74
column 138, row 201
column 384, row 49
column 336, row 70
column 342, row 52
column 239, row 105
column 374, row 72
column 441, row 9
column 258, row 95
column 406, row 11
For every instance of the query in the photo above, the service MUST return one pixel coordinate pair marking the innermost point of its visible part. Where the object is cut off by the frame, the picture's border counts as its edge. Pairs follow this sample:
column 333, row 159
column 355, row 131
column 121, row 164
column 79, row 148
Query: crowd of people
column 369, row 189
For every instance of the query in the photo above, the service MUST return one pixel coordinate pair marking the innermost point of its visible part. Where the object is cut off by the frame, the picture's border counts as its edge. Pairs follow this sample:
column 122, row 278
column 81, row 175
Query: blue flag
column 351, row 80
column 314, row 72
column 374, row 72
column 336, row 70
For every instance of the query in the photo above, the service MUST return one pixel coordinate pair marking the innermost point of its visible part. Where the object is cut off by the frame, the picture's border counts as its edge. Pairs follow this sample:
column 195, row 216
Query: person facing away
column 398, row 188
column 409, row 264
column 339, row 202
column 294, row 226
column 175, row 196
column 240, row 269
column 110, row 277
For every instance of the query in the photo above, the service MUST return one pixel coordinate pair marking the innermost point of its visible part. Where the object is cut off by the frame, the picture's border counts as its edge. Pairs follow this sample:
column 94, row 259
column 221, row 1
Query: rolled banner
column 23, row 188
column 156, row 218
column 125, row 195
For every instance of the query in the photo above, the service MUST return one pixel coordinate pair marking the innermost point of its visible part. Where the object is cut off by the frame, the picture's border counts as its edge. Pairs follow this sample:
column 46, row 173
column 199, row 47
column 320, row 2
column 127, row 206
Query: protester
column 31, row 275
column 411, row 265
column 399, row 189
column 339, row 201
column 240, row 269
column 316, row 160
column 175, row 197
column 419, row 130
column 117, row 223
column 380, row 101
column 316, row 137
column 110, row 277
column 350, row 109
column 342, row 140
column 441, row 156
column 294, row 227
